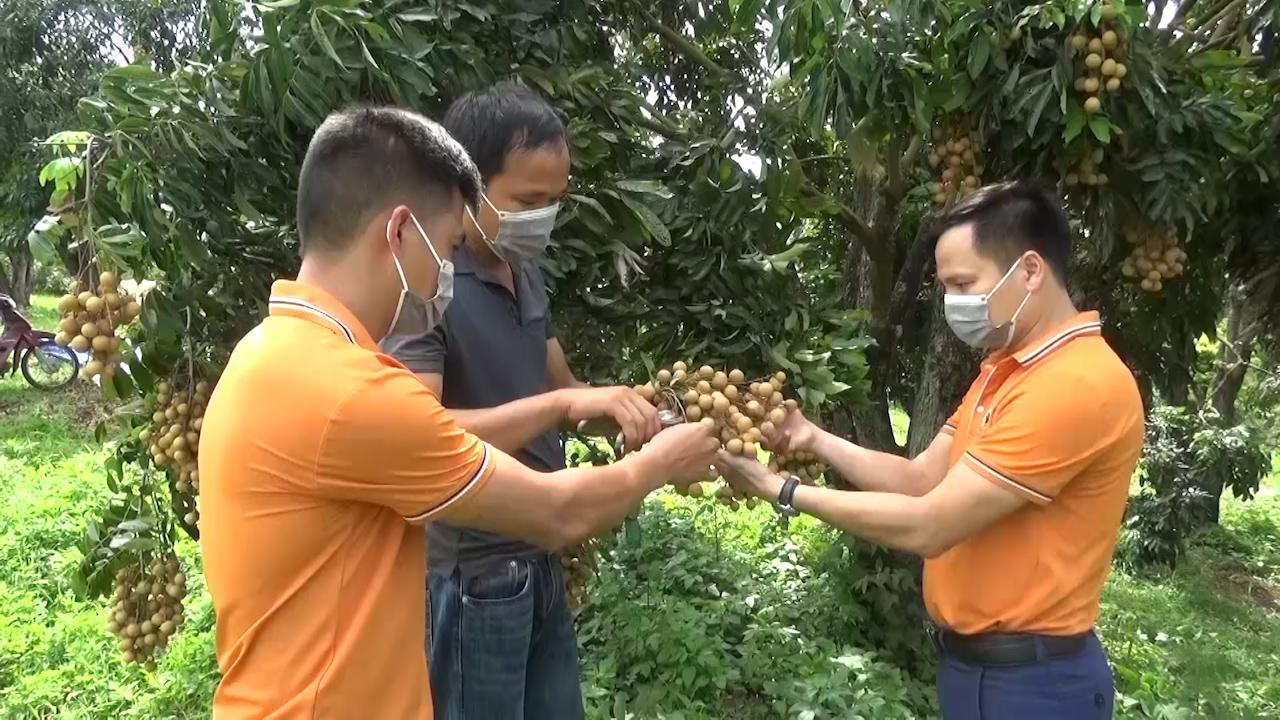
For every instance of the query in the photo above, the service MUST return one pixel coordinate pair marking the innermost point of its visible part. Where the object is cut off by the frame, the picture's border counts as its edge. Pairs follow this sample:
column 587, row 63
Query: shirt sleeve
column 391, row 443
column 952, row 422
column 420, row 353
column 1040, row 438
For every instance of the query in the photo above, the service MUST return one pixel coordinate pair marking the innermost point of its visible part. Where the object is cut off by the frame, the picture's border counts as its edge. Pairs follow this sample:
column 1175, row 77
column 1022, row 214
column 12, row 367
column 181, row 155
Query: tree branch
column 847, row 217
column 895, row 163
column 679, row 42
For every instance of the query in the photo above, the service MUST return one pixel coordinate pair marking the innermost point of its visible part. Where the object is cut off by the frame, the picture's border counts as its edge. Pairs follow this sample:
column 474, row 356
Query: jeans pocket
column 509, row 581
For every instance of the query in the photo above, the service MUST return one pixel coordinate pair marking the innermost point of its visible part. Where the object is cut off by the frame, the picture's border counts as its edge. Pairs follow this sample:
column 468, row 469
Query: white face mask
column 522, row 236
column 970, row 317
column 416, row 315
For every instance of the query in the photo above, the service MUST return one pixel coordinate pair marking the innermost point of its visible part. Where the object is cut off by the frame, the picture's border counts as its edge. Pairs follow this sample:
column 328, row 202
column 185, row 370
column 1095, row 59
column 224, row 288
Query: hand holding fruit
column 634, row 415
column 682, row 454
column 748, row 476
column 794, row 434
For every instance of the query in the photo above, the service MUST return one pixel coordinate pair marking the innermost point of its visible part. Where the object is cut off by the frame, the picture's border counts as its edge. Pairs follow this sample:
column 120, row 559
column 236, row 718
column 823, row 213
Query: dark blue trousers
column 502, row 644
column 1074, row 687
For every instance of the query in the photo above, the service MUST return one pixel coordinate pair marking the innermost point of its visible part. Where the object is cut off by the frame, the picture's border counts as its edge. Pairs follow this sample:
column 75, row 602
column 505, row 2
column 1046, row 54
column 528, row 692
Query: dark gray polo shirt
column 491, row 349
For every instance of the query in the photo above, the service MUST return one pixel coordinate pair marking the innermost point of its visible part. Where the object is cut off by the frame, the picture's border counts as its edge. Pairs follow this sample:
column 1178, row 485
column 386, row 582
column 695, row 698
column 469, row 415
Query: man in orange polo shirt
column 1017, row 502
column 321, row 457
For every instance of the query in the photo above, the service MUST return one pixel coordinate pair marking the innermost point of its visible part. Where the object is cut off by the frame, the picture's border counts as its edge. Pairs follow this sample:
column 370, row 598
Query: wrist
column 561, row 400
column 820, row 443
column 643, row 469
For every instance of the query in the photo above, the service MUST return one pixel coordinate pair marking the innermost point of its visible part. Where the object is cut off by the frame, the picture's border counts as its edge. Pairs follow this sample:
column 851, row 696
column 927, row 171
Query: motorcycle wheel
column 50, row 367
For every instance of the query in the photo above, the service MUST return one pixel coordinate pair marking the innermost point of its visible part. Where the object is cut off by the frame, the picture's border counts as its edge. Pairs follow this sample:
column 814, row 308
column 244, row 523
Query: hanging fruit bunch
column 148, row 608
column 173, row 437
column 1155, row 258
column 956, row 155
column 1088, row 169
column 743, row 413
column 579, row 564
column 1100, row 53
column 90, row 321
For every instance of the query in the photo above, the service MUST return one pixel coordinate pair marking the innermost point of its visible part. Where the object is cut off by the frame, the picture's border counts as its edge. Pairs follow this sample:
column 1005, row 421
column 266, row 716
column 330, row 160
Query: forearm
column 870, row 470
column 514, row 425
column 590, row 500
column 891, row 519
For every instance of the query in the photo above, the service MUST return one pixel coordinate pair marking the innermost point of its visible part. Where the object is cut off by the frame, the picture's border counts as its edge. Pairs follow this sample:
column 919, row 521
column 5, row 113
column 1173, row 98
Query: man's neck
column 486, row 258
column 349, row 285
column 1058, row 313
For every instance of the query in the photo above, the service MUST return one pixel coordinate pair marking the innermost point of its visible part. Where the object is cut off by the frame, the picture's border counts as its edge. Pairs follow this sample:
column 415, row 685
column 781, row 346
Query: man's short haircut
column 500, row 119
column 1008, row 220
column 365, row 159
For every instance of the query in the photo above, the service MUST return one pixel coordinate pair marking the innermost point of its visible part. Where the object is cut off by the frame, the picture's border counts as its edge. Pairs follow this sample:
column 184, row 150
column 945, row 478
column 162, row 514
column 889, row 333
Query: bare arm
column 962, row 504
column 884, row 472
column 558, row 510
column 513, row 425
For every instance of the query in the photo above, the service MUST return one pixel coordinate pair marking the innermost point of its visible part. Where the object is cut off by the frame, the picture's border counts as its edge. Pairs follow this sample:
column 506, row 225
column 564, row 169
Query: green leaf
column 652, row 223
column 1100, row 127
column 322, row 37
column 979, row 52
column 132, row 73
column 1075, row 122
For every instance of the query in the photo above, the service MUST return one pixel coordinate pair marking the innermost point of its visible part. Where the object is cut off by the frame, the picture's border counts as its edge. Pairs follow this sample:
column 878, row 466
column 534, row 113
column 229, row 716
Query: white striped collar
column 1084, row 324
column 281, row 301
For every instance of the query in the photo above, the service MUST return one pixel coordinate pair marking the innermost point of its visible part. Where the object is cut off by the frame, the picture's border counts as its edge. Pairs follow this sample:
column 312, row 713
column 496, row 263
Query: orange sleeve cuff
column 998, row 478
column 479, row 478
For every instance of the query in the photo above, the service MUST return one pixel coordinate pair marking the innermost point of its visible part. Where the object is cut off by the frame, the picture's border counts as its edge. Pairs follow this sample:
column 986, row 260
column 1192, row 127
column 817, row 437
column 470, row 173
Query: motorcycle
column 44, row 364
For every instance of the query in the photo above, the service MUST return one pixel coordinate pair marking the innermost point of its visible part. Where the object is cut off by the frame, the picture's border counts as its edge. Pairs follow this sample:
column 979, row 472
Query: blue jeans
column 502, row 644
column 1074, row 687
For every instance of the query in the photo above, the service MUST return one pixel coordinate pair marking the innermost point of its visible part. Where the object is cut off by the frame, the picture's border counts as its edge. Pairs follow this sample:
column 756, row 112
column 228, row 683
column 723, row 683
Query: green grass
column 43, row 313
column 56, row 658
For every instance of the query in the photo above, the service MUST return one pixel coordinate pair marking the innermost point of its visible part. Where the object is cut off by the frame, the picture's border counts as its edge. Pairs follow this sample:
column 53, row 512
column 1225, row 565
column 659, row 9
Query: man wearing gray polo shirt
column 502, row 643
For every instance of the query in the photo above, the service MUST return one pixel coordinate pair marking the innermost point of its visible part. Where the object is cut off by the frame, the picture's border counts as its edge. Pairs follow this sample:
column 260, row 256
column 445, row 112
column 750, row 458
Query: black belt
column 1004, row 649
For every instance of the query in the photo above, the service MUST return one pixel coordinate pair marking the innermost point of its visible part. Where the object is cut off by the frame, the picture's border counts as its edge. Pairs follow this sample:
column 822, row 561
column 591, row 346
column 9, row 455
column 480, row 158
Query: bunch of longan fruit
column 147, row 608
column 957, row 156
column 1155, row 258
column 1099, row 53
column 173, row 437
column 89, row 323
column 579, row 564
column 1087, row 171
column 743, row 413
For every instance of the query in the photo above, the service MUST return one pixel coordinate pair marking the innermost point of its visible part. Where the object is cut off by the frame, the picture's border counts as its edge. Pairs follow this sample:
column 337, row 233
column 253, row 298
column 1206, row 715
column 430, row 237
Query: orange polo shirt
column 1060, row 424
column 317, row 456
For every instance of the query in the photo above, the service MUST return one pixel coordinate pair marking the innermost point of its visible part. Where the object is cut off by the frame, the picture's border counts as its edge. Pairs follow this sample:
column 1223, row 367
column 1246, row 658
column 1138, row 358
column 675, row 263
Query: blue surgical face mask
column 522, row 236
column 416, row 315
column 970, row 317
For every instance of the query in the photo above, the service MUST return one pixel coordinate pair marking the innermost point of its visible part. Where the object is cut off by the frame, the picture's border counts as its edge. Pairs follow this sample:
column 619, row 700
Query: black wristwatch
column 785, row 503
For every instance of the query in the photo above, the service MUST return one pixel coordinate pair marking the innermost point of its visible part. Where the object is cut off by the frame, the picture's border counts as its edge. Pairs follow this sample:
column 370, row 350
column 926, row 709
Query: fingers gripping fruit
column 146, row 609
column 744, row 412
column 173, row 438
column 89, row 323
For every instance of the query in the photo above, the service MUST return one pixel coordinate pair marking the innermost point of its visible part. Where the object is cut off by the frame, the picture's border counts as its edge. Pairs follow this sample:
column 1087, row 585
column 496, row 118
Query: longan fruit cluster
column 1099, row 53
column 804, row 465
column 743, row 413
column 1155, row 258
column 89, row 323
column 147, row 608
column 957, row 156
column 173, row 438
column 1087, row 171
column 579, row 564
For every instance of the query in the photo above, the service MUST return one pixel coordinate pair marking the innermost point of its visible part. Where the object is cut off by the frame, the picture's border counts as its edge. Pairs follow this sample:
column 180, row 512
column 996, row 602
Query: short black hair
column 500, row 119
column 364, row 158
column 1009, row 219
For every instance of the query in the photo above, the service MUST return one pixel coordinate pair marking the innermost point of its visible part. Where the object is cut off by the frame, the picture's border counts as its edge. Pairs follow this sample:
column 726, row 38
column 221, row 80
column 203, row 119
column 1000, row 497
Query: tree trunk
column 16, row 280
column 1235, row 352
column 949, row 367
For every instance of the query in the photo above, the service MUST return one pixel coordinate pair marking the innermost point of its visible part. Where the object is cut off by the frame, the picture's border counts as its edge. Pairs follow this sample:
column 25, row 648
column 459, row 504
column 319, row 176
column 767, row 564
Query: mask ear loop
column 475, row 221
column 1013, row 320
column 404, row 283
